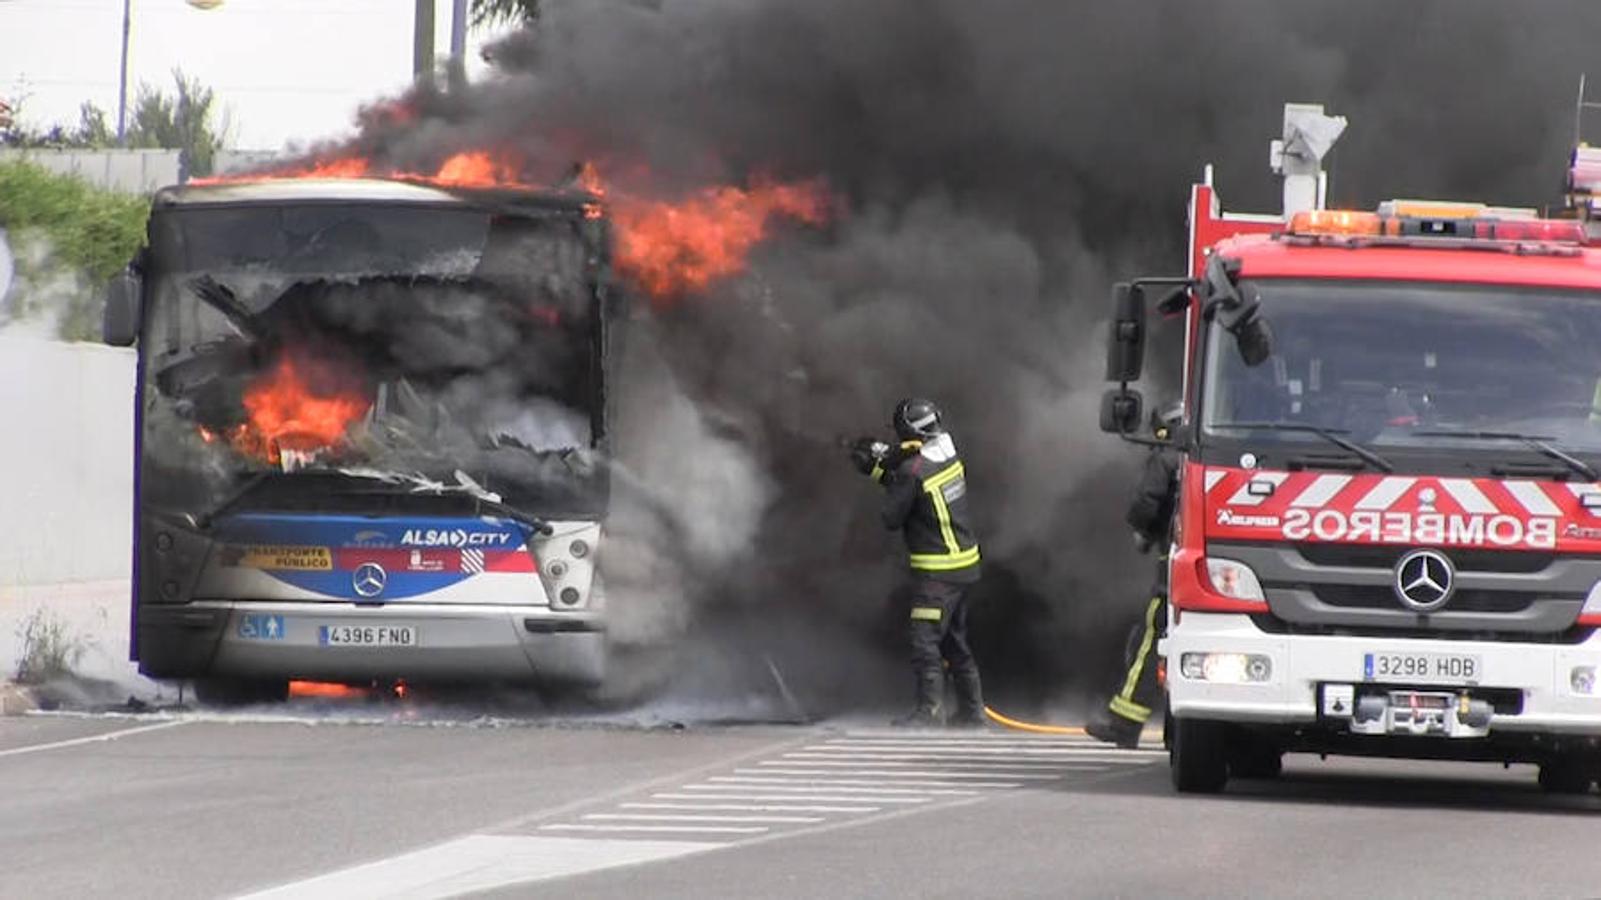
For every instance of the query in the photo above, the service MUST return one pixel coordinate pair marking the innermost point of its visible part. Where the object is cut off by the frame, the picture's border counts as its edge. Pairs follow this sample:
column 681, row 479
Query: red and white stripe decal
column 1253, row 504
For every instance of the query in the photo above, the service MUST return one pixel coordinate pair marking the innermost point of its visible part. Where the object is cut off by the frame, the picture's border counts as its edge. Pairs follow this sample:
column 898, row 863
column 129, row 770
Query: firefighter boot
column 969, row 699
column 1113, row 729
column 927, row 714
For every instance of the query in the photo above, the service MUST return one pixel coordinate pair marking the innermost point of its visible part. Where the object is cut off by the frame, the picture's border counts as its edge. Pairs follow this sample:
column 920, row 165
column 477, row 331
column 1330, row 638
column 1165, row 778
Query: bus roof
column 360, row 190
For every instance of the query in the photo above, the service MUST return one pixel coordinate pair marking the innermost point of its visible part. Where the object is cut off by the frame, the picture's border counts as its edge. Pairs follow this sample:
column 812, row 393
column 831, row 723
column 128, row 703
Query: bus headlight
column 1232, row 579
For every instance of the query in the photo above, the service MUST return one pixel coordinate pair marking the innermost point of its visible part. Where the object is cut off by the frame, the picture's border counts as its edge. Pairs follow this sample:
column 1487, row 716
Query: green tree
column 186, row 120
column 92, row 132
column 494, row 12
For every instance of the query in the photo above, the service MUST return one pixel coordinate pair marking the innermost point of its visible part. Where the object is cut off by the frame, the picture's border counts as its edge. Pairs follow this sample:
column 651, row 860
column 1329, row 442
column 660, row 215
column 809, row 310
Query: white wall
column 131, row 171
column 66, row 461
column 66, row 496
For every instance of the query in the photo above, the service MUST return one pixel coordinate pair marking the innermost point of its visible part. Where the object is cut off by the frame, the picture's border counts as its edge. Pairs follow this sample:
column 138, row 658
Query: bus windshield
column 1404, row 364
column 400, row 348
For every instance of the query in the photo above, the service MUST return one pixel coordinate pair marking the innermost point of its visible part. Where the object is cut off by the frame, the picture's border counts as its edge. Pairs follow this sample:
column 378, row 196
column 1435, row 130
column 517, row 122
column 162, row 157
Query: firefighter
column 1121, row 719
column 925, row 498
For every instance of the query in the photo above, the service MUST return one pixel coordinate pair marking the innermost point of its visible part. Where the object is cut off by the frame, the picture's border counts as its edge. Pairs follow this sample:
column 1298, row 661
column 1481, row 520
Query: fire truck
column 1388, row 530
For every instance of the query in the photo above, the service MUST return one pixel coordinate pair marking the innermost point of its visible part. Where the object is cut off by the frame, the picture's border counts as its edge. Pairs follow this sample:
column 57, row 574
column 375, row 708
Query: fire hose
column 1030, row 727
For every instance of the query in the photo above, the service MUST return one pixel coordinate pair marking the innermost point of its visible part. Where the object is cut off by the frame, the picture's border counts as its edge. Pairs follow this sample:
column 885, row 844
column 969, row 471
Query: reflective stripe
column 926, row 613
column 944, row 562
column 1129, row 710
column 1125, row 697
column 954, row 557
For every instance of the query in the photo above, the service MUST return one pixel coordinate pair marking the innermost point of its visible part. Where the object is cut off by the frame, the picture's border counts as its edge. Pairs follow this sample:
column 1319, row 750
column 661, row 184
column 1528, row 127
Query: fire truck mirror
column 1125, row 345
column 124, row 304
column 1121, row 410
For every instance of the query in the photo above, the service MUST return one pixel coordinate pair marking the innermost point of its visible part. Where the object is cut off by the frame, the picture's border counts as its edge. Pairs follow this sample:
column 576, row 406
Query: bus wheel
column 219, row 691
column 1198, row 761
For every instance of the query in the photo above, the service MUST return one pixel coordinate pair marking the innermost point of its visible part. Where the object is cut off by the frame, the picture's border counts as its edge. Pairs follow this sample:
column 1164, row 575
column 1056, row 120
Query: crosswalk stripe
column 483, row 862
column 817, row 797
column 852, row 759
column 831, row 788
column 914, row 773
column 980, row 752
column 753, row 807
column 862, row 782
column 669, row 817
column 659, row 829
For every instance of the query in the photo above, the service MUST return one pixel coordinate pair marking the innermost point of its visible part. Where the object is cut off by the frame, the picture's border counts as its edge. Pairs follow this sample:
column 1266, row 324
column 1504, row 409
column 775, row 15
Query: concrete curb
column 16, row 699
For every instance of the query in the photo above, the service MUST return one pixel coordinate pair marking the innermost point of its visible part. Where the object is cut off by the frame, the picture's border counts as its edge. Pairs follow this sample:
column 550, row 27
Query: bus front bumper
column 331, row 641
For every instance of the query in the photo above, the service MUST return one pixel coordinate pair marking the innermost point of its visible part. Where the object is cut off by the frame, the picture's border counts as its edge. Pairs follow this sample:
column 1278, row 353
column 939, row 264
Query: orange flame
column 668, row 249
column 300, row 405
column 324, row 689
column 675, row 249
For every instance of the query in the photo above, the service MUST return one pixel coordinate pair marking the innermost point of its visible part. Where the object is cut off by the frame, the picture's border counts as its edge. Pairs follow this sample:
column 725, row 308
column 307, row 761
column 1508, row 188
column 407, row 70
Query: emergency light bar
column 1436, row 219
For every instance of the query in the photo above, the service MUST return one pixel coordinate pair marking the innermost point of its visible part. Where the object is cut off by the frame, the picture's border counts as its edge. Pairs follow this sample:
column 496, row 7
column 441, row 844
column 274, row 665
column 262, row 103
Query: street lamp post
column 122, row 81
column 122, row 84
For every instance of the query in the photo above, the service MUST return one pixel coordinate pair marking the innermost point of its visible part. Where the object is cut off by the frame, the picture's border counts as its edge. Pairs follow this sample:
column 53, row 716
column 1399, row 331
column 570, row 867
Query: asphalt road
column 198, row 805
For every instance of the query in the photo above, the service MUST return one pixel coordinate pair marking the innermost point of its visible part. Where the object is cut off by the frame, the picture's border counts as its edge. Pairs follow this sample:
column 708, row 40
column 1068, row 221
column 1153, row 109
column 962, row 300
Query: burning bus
column 371, row 432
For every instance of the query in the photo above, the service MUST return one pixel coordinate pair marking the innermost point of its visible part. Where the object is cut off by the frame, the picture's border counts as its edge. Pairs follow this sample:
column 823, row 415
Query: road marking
column 668, row 817
column 92, row 739
column 759, row 796
column 862, row 782
column 982, row 752
column 481, row 862
column 803, row 757
column 946, row 767
column 658, row 829
column 749, row 807
column 1035, row 776
column 769, row 785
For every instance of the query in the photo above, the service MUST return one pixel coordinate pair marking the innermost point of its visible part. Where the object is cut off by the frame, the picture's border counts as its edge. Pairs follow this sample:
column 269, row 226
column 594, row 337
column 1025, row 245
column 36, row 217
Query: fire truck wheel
column 1252, row 756
column 1199, row 761
column 219, row 691
column 1564, row 775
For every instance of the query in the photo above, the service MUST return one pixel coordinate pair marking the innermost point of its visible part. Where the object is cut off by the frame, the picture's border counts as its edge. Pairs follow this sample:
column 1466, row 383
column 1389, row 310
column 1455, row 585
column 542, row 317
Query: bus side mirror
column 1125, row 344
column 1121, row 410
column 124, row 306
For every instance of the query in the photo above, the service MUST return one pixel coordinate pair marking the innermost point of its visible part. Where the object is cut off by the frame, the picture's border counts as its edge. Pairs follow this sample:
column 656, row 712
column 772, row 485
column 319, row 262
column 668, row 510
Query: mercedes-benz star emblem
column 1424, row 580
column 369, row 579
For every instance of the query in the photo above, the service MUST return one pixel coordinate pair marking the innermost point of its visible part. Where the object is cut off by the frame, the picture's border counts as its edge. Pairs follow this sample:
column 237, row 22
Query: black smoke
column 999, row 164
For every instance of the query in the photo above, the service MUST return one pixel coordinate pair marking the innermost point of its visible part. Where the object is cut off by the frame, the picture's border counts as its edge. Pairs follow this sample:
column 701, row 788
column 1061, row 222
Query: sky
column 288, row 72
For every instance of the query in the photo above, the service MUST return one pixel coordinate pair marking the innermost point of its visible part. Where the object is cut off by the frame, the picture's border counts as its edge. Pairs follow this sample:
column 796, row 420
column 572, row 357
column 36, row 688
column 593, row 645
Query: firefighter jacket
column 1151, row 512
column 925, row 497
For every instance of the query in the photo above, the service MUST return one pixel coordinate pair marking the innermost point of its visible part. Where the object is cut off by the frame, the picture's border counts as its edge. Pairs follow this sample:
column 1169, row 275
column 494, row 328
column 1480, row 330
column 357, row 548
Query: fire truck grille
column 1465, row 560
column 1350, row 596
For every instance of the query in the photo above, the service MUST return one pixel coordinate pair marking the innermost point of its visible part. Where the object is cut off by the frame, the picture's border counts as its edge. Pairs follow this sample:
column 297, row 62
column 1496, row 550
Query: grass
column 48, row 650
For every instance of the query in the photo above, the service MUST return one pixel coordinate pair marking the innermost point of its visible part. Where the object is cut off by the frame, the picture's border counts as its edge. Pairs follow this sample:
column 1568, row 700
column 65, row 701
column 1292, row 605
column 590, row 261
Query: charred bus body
column 371, row 433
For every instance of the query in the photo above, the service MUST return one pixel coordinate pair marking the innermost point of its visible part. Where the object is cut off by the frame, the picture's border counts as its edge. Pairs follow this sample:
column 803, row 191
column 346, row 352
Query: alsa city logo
column 1499, row 530
column 457, row 537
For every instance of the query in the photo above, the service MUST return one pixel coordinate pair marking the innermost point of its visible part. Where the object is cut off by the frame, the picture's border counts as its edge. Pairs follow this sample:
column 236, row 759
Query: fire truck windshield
column 1408, row 364
column 422, row 349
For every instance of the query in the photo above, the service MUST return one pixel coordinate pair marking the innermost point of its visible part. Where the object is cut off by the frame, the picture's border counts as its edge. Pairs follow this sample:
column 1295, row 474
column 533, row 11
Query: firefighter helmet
column 916, row 419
